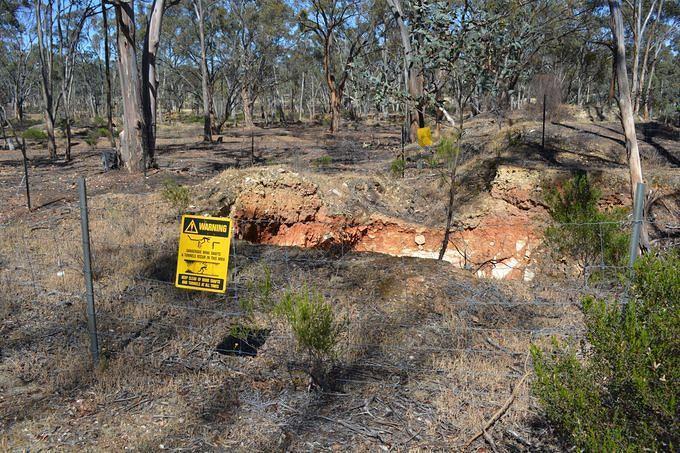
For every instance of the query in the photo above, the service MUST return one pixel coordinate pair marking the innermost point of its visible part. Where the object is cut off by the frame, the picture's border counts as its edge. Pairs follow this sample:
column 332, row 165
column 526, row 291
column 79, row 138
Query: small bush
column 103, row 132
column 432, row 161
column 191, row 118
column 91, row 139
column 624, row 396
column 582, row 231
column 259, row 294
column 323, row 161
column 315, row 327
column 176, row 194
column 34, row 134
column 397, row 167
column 515, row 137
column 93, row 135
column 99, row 122
column 448, row 149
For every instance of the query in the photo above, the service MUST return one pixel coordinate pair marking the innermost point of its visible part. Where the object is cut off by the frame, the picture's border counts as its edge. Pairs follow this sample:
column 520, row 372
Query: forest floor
column 429, row 351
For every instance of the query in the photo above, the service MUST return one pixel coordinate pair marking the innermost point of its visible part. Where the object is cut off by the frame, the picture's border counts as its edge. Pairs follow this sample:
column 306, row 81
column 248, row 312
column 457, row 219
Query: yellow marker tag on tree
column 424, row 136
column 203, row 256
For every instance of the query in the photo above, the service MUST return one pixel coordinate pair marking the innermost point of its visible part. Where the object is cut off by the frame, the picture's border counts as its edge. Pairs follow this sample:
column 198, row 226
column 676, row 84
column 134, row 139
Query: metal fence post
column 87, row 270
column 403, row 158
column 638, row 206
column 252, row 147
column 543, row 132
column 28, row 190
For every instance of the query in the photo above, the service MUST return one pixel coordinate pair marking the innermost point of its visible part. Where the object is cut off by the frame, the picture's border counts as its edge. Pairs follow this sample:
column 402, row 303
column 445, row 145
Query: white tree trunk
column 625, row 105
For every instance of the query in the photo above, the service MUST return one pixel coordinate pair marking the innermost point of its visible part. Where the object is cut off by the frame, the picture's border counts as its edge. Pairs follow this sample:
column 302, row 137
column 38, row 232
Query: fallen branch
column 490, row 441
column 500, row 412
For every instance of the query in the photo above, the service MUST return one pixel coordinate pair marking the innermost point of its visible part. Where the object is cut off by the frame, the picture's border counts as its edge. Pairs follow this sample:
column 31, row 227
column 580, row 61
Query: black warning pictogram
column 191, row 228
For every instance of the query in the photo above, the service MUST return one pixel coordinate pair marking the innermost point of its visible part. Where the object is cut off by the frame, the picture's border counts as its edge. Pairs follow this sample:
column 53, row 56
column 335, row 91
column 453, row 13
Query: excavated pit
column 283, row 208
column 495, row 249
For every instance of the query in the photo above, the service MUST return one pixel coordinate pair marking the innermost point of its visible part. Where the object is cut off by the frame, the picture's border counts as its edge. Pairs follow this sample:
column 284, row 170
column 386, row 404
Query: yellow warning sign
column 424, row 136
column 203, row 257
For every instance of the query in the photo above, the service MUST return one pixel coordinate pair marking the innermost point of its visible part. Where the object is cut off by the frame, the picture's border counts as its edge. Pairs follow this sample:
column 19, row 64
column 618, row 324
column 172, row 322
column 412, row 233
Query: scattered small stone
column 420, row 239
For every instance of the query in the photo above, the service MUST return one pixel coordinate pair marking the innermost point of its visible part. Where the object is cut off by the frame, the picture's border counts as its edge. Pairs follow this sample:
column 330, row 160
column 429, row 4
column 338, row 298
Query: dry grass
column 428, row 353
column 401, row 361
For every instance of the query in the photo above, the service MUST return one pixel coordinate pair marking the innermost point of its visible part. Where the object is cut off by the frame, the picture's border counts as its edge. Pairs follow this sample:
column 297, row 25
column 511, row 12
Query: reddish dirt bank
column 289, row 211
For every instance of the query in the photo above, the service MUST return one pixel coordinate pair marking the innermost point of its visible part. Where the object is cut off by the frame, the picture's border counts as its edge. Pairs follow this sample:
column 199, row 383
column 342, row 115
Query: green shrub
column 191, row 118
column 323, row 161
column 582, row 231
column 175, row 194
column 448, row 149
column 93, row 135
column 432, row 161
column 34, row 134
column 624, row 394
column 259, row 294
column 397, row 167
column 91, row 138
column 515, row 137
column 314, row 326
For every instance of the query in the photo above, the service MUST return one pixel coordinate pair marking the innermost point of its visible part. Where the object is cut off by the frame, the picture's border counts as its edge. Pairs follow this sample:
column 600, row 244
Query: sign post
column 203, row 257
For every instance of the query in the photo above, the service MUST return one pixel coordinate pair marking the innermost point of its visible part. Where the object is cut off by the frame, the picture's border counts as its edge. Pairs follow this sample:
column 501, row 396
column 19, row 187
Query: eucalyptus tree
column 413, row 76
column 664, row 29
column 45, row 22
column 200, row 20
column 17, row 58
column 149, row 79
column 89, row 84
column 139, row 92
column 263, row 28
column 626, row 105
column 133, row 138
column 176, row 83
column 107, row 72
column 342, row 29
column 70, row 22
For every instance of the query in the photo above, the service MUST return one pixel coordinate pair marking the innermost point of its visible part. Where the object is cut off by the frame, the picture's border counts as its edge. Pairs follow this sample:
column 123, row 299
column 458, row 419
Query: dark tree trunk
column 205, row 82
column 107, row 74
column 133, row 139
column 150, row 77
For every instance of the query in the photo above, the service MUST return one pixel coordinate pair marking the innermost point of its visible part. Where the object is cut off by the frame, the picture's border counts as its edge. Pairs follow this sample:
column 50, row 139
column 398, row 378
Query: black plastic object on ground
column 245, row 343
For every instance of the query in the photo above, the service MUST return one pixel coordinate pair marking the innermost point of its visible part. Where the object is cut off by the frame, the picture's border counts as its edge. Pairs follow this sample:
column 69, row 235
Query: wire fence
column 43, row 261
column 405, row 320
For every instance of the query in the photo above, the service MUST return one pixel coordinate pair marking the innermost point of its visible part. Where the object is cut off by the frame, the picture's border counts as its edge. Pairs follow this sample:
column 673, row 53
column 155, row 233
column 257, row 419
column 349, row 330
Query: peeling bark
column 133, row 142
column 625, row 105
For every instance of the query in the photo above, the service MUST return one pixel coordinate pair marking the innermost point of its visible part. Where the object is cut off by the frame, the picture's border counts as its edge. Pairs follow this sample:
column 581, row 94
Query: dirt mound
column 281, row 207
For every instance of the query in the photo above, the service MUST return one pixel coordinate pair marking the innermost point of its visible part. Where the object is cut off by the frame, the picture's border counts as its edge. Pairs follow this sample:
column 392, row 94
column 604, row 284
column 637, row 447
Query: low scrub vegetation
column 34, row 134
column 315, row 327
column 176, row 194
column 397, row 167
column 323, row 161
column 593, row 238
column 93, row 135
column 618, row 391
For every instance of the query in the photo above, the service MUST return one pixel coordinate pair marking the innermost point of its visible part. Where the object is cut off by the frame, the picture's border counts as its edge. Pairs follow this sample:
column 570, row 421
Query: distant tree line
column 131, row 65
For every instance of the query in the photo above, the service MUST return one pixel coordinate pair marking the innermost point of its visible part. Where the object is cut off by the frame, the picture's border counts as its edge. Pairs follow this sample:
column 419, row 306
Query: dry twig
column 500, row 412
